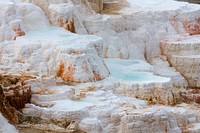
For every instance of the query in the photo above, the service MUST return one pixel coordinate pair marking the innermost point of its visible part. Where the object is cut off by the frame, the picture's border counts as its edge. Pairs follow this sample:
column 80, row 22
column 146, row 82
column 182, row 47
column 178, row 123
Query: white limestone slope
column 183, row 54
column 128, row 33
column 68, row 14
column 56, row 52
column 5, row 127
column 95, row 108
column 133, row 33
column 31, row 15
column 18, row 18
column 75, row 89
column 102, row 106
column 158, row 5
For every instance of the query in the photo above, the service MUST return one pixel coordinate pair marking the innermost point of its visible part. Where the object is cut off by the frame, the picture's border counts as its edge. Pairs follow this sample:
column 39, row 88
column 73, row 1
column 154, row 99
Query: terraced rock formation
column 127, row 69
column 183, row 54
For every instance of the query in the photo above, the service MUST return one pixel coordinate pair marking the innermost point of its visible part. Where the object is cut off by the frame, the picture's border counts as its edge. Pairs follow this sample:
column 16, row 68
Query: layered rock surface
column 183, row 54
column 65, row 13
column 109, row 105
column 72, row 57
column 94, row 109
column 135, row 27
column 75, row 90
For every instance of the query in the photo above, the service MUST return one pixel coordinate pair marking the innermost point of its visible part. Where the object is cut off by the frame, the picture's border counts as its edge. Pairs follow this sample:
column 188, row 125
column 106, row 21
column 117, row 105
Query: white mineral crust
column 120, row 71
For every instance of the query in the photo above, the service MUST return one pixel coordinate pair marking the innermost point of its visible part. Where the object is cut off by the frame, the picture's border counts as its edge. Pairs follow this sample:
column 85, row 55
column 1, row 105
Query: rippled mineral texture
column 99, row 66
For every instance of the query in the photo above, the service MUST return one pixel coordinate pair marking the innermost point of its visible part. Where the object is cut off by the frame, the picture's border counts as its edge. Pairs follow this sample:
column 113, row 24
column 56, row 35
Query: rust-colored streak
column 193, row 28
column 98, row 77
column 68, row 25
column 20, row 33
column 60, row 23
column 61, row 70
column 66, row 73
column 72, row 27
column 191, row 96
column 69, row 74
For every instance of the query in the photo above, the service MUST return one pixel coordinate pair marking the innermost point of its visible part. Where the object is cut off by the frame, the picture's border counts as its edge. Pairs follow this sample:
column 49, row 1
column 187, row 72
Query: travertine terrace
column 99, row 66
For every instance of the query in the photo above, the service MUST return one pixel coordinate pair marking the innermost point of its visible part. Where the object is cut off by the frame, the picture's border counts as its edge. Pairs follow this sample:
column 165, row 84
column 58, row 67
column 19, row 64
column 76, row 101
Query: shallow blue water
column 121, row 70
